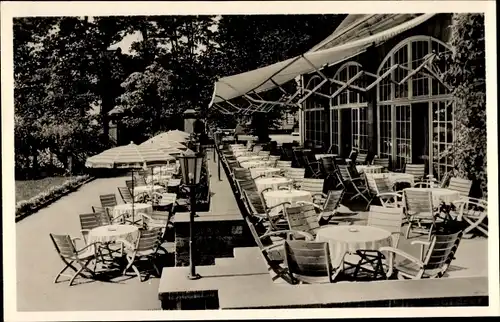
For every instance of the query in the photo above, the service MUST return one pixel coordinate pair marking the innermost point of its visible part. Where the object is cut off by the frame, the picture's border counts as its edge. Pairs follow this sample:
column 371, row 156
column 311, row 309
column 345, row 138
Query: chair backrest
column 303, row 218
column 89, row 221
column 125, row 194
column 382, row 162
column 140, row 181
column 64, row 245
column 273, row 159
column 254, row 201
column 103, row 217
column 96, row 209
column 129, row 184
column 149, row 239
column 440, row 254
column 418, row 202
column 390, row 219
column 283, row 164
column 108, row 200
column 381, row 185
column 257, row 148
column 417, row 170
column 328, row 165
column 295, row 173
column 264, row 153
column 445, row 180
column 343, row 172
column 298, row 153
column 233, row 164
column 248, row 185
column 361, row 158
column 333, row 200
column 312, row 185
column 242, row 174
column 308, row 258
column 461, row 185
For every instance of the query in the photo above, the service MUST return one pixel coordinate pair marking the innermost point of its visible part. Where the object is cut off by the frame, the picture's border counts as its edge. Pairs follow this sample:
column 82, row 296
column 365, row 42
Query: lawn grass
column 25, row 189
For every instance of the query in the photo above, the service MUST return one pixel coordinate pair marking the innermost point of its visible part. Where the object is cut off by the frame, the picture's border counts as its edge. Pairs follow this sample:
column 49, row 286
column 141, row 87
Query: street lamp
column 191, row 173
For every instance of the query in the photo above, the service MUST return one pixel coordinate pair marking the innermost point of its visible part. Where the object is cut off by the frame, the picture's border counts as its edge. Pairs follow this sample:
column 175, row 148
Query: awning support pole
column 347, row 84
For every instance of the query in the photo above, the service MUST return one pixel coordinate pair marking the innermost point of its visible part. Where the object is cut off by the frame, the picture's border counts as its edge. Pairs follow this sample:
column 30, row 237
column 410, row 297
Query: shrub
column 26, row 207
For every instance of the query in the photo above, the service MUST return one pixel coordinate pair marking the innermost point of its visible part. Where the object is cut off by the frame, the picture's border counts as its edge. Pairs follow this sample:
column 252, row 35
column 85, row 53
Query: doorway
column 420, row 133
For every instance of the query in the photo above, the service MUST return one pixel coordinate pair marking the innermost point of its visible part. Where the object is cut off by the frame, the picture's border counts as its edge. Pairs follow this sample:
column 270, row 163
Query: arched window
column 313, row 114
column 412, row 115
column 356, row 102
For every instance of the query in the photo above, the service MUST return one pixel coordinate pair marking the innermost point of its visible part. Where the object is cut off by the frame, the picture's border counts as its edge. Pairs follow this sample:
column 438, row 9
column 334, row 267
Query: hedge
column 25, row 208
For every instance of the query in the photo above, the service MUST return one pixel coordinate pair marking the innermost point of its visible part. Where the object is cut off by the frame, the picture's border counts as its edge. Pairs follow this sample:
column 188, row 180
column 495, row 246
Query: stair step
column 224, row 261
column 247, row 252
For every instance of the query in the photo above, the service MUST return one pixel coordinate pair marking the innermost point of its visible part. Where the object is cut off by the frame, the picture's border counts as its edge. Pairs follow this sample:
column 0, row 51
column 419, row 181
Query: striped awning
column 166, row 147
column 131, row 156
column 172, row 136
column 272, row 76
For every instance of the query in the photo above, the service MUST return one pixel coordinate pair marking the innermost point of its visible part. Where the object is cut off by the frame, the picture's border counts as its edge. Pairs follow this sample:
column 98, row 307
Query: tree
column 466, row 74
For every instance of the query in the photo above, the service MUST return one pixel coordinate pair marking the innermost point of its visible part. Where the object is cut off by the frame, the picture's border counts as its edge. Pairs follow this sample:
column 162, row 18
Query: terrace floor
column 38, row 263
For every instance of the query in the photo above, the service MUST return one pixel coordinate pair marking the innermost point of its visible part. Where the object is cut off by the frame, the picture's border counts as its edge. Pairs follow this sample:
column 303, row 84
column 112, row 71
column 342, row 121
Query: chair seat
column 312, row 279
column 86, row 254
column 408, row 268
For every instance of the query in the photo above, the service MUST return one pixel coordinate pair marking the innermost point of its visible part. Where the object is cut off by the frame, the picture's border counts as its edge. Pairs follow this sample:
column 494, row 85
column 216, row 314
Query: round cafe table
column 344, row 239
column 321, row 156
column 273, row 183
column 127, row 209
column 257, row 172
column 275, row 197
column 158, row 178
column 110, row 233
column 370, row 168
column 253, row 164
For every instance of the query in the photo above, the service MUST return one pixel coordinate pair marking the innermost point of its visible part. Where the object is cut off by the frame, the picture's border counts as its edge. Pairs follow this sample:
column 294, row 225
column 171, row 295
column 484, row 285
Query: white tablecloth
column 249, row 158
column 369, row 168
column 273, row 183
column 440, row 195
column 321, row 156
column 253, row 164
column 275, row 197
column 157, row 178
column 256, row 172
column 390, row 178
column 350, row 238
column 127, row 209
column 147, row 189
column 242, row 153
column 110, row 233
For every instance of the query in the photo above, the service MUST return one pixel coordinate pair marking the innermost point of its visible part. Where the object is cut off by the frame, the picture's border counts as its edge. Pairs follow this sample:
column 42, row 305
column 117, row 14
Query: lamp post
column 191, row 173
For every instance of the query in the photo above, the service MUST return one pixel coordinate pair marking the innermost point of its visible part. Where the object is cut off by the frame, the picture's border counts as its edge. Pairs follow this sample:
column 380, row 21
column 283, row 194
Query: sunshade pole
column 133, row 197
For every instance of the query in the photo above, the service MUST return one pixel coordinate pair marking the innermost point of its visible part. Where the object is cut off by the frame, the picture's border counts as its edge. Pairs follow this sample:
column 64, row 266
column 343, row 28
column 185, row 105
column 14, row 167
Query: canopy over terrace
column 353, row 36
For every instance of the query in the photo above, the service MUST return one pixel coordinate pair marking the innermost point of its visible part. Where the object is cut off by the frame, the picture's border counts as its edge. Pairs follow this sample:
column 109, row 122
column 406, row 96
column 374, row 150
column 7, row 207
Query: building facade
column 403, row 112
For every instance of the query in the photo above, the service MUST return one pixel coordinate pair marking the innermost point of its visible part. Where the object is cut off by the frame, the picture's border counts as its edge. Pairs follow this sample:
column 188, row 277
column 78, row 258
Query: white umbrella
column 172, row 136
column 131, row 156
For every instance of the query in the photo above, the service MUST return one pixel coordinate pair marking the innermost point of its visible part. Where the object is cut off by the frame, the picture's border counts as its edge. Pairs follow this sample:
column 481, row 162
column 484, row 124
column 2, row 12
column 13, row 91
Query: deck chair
column 242, row 174
column 130, row 184
column 248, row 185
column 431, row 182
column 146, row 247
column 309, row 262
column 303, row 218
column 315, row 187
column 461, row 185
column 87, row 223
column 159, row 219
column 384, row 162
column 72, row 257
column 372, row 261
column 358, row 184
column 421, row 215
column 258, row 209
column 296, row 174
column 108, row 200
column 441, row 250
column 313, row 168
column 328, row 166
column 361, row 158
column 475, row 213
column 125, row 194
column 417, row 170
column 382, row 191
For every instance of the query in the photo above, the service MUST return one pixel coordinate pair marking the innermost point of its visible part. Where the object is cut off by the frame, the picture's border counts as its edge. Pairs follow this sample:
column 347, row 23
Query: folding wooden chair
column 440, row 253
column 125, row 194
column 327, row 212
column 108, row 200
column 312, row 167
column 146, row 247
column 315, row 187
column 273, row 160
column 303, row 218
column 417, row 170
column 358, row 184
column 309, row 262
column 72, row 257
column 296, row 174
column 361, row 158
column 461, row 185
column 328, row 166
column 475, row 213
column 383, row 192
column 384, row 162
column 420, row 212
column 87, row 223
column 259, row 210
column 242, row 174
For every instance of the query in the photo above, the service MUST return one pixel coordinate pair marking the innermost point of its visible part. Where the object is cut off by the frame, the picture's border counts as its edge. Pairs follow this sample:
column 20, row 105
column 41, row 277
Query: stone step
column 247, row 253
column 224, row 261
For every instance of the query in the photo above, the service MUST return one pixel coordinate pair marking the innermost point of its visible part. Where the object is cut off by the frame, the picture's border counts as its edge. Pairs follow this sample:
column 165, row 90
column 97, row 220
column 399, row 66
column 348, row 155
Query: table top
column 287, row 193
column 369, row 166
column 147, row 188
column 128, row 206
column 113, row 230
column 270, row 181
column 352, row 233
column 324, row 155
